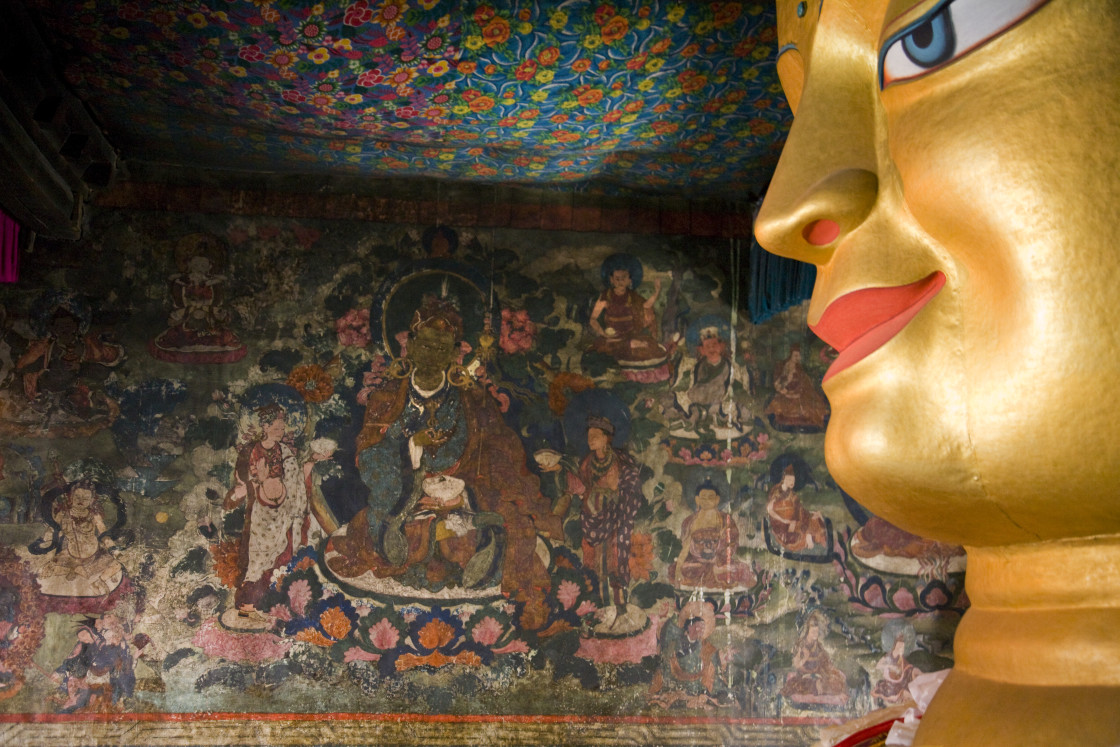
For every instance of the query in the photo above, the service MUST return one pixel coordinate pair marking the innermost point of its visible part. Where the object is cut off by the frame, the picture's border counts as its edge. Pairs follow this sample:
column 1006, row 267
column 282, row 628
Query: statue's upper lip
column 859, row 323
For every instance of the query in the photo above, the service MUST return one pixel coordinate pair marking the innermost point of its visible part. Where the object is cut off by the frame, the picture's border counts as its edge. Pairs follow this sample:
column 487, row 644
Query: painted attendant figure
column 269, row 481
column 613, row 483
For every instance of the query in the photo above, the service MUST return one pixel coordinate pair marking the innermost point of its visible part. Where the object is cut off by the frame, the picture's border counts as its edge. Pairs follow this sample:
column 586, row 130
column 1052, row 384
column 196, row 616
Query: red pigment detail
column 821, row 232
column 859, row 323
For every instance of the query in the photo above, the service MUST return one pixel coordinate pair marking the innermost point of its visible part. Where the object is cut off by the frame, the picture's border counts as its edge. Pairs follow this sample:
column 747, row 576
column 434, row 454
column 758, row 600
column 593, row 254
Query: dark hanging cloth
column 9, row 249
column 777, row 283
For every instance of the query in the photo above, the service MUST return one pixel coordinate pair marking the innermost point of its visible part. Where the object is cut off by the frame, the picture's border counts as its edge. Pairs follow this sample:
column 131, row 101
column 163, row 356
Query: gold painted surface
column 990, row 418
column 994, row 409
column 1044, row 614
column 974, row 711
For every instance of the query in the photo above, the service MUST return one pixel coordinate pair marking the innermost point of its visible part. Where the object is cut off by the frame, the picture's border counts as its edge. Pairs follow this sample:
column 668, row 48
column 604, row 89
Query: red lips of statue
column 859, row 323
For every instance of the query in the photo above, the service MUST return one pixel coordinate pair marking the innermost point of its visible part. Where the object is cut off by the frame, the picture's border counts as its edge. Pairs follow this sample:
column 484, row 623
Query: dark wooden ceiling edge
column 484, row 206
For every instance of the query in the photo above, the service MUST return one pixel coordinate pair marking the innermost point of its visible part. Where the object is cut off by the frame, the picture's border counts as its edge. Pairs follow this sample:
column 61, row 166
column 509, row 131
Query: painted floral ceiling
column 674, row 98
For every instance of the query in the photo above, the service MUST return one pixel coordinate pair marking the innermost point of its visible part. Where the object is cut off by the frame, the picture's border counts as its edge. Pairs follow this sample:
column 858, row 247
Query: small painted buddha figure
column 710, row 541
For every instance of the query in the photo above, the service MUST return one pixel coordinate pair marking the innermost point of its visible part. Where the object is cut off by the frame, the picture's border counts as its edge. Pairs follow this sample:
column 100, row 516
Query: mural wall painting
column 258, row 472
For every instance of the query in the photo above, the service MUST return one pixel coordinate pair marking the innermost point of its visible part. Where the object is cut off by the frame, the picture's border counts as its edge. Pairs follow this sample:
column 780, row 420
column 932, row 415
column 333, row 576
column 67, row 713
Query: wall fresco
column 262, row 466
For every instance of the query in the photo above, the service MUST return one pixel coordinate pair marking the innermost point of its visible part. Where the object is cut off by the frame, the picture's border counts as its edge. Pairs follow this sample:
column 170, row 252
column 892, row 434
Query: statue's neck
column 1044, row 613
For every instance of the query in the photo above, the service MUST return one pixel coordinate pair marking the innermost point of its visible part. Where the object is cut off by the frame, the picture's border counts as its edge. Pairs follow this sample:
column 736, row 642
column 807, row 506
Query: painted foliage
column 266, row 466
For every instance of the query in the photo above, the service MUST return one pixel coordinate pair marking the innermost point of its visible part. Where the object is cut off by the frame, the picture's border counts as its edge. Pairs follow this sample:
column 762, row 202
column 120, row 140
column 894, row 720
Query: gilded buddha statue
column 951, row 172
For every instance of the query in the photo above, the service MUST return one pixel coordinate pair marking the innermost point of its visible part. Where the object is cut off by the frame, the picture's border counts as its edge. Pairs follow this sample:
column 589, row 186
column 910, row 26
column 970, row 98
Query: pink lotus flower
column 568, row 593
column 516, row 646
column 586, row 608
column 873, row 595
column 299, row 594
column 903, row 599
column 518, row 331
column 487, row 632
column 359, row 654
column 383, row 635
column 934, row 598
column 280, row 612
column 353, row 328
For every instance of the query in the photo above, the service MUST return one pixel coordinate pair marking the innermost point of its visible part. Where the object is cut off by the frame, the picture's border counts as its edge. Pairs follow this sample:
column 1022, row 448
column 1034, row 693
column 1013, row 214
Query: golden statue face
column 952, row 172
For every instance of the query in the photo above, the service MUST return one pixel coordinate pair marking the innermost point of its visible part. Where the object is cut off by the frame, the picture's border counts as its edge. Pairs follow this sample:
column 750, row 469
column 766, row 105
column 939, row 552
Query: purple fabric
column 9, row 249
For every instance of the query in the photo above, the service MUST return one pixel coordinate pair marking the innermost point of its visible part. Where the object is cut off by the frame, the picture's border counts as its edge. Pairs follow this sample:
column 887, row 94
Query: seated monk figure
column 796, row 406
column 623, row 321
column 815, row 679
column 430, row 420
column 794, row 526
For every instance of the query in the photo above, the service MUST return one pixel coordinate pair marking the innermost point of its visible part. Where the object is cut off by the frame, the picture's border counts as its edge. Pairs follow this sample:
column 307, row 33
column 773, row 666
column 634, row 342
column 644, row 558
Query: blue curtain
column 776, row 283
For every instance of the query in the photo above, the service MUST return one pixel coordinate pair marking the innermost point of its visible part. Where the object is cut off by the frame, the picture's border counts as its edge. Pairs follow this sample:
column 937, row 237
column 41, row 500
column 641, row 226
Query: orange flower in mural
column 614, row 29
column 693, row 83
column 565, row 382
column 312, row 382
column 483, row 14
column 588, row 98
column 549, row 56
column 437, row 660
column 436, row 634
column 636, row 62
column 481, row 104
column 226, row 555
column 526, row 70
column 311, row 635
column 726, row 13
column 335, row 623
column 496, row 31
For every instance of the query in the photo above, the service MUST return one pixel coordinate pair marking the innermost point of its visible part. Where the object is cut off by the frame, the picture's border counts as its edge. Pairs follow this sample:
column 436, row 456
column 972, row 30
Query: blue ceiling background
column 650, row 97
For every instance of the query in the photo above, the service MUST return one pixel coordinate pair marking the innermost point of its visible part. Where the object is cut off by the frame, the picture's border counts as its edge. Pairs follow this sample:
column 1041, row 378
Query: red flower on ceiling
column 358, row 13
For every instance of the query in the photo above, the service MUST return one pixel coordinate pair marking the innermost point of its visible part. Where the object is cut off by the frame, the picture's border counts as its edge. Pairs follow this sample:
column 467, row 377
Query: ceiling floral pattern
column 666, row 97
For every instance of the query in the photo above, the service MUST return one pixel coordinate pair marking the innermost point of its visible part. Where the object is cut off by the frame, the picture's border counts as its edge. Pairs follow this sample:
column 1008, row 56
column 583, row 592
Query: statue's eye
column 947, row 32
